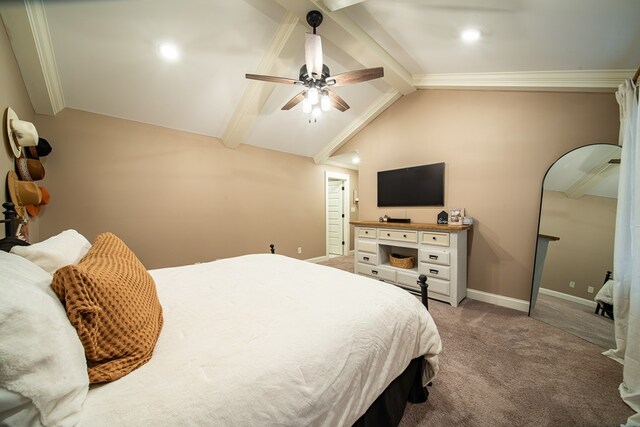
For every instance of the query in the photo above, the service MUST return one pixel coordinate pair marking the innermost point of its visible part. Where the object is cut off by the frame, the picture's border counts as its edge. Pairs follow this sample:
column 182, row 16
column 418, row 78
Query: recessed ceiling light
column 471, row 35
column 169, row 51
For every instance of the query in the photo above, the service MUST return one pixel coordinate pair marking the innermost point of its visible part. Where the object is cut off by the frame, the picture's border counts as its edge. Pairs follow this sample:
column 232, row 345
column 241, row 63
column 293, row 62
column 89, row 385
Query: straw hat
column 22, row 193
column 20, row 132
column 34, row 210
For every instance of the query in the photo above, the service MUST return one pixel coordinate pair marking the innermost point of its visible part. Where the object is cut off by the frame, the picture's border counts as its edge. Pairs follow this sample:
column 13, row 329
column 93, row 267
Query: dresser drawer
column 435, row 256
column 368, row 258
column 367, row 232
column 377, row 272
column 437, row 286
column 398, row 235
column 434, row 238
column 408, row 279
column 432, row 270
column 367, row 246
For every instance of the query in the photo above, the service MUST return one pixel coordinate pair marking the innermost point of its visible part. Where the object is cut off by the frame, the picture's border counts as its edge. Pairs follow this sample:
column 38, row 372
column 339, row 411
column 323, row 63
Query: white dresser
column 439, row 251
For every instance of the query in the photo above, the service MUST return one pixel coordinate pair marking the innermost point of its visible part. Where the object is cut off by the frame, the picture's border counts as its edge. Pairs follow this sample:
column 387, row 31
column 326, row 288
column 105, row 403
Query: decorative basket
column 401, row 261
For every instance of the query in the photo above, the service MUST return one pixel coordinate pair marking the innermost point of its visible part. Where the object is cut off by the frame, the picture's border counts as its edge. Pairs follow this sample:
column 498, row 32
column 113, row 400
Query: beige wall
column 13, row 93
column 497, row 146
column 178, row 198
column 584, row 253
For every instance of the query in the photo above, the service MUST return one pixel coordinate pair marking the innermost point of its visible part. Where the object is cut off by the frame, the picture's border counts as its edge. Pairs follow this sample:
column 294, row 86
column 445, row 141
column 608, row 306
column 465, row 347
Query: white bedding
column 265, row 340
column 605, row 294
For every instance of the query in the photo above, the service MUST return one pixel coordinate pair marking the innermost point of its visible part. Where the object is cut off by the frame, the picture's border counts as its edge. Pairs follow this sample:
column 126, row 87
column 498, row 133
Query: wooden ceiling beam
column 257, row 93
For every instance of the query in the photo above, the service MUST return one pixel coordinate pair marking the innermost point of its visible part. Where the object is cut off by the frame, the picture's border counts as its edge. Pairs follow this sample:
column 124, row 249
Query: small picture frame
column 455, row 216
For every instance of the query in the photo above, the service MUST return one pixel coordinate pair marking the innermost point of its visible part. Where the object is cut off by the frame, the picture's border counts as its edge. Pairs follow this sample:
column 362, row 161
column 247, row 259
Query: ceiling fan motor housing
column 304, row 76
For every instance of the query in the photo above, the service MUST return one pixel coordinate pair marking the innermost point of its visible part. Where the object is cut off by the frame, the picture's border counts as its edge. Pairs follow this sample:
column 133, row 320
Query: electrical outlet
column 590, row 289
column 572, row 284
column 300, row 250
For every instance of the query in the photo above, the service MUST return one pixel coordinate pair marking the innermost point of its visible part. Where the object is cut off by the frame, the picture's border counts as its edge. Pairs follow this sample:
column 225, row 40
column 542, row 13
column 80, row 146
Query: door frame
column 346, row 207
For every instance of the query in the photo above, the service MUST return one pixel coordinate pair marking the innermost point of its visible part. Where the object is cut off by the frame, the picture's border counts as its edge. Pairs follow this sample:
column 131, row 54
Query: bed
column 260, row 339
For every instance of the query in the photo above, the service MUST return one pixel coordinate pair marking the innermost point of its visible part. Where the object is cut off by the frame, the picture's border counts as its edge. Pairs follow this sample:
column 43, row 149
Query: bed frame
column 11, row 221
column 386, row 410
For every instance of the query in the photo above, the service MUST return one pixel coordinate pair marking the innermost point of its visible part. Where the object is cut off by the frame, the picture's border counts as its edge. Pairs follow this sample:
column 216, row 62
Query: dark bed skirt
column 388, row 408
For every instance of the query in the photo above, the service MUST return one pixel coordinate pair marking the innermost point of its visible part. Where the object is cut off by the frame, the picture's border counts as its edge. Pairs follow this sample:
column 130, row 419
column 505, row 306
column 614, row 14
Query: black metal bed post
column 272, row 248
column 424, row 290
column 10, row 219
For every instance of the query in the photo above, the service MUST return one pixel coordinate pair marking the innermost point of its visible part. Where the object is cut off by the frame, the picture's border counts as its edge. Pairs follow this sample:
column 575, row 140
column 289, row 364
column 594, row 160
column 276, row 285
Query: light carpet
column 500, row 367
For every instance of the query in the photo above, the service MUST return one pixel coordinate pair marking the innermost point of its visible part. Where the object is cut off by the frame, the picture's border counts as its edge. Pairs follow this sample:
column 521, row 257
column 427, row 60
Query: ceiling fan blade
column 337, row 102
column 272, row 79
column 313, row 55
column 357, row 76
column 294, row 101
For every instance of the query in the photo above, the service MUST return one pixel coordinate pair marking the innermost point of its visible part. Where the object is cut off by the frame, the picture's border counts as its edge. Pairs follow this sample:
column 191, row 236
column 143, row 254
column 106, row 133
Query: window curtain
column 626, row 256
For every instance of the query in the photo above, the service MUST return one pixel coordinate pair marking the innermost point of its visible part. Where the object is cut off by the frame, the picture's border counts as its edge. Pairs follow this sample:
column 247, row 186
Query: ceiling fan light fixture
column 306, row 105
column 316, row 111
column 312, row 95
column 325, row 102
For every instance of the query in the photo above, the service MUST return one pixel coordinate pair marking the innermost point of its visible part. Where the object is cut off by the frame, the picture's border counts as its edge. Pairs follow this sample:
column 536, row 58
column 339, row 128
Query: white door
column 335, row 217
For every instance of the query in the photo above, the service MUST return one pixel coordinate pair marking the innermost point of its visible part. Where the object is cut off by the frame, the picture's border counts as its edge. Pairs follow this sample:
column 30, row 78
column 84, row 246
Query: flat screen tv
column 414, row 186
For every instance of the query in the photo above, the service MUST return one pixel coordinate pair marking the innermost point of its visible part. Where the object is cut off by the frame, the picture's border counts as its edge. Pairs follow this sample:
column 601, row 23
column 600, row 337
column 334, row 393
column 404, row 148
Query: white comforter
column 264, row 340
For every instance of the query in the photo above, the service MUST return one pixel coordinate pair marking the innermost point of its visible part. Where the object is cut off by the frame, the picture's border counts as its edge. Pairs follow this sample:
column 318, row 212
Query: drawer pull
column 431, row 270
column 404, row 235
column 388, row 234
column 366, row 258
column 433, row 256
column 434, row 237
column 374, row 271
column 366, row 232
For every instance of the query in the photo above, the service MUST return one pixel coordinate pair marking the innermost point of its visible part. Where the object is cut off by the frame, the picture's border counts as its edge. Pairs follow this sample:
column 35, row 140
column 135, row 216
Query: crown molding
column 381, row 104
column 571, row 81
column 26, row 24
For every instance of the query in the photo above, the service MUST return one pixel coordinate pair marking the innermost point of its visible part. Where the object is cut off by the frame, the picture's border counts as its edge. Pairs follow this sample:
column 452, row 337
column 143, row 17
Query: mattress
column 268, row 340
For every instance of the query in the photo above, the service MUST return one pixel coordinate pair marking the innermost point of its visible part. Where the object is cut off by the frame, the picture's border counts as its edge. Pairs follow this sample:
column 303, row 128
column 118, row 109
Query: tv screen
column 414, row 186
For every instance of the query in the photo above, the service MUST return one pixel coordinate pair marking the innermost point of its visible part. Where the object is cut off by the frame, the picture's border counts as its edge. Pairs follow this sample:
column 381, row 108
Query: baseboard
column 318, row 259
column 352, row 252
column 568, row 297
column 502, row 301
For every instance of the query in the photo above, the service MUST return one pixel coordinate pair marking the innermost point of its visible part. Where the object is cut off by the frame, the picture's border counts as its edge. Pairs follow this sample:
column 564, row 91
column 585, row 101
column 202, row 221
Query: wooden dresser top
column 410, row 225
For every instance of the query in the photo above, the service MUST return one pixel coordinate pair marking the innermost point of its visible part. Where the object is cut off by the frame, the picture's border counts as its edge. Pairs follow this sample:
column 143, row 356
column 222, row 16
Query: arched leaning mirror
column 574, row 249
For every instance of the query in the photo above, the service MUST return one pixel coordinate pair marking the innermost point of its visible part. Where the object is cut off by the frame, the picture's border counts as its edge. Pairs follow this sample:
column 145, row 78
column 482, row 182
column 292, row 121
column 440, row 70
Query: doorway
column 337, row 214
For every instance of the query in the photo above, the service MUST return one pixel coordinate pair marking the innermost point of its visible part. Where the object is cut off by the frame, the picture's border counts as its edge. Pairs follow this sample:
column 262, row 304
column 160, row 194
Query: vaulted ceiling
column 102, row 56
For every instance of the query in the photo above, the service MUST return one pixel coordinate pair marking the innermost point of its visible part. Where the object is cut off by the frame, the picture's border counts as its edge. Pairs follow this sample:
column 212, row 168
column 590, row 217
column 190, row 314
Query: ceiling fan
column 316, row 77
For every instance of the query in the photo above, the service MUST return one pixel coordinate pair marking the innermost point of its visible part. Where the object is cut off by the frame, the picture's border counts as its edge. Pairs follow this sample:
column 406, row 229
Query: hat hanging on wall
column 34, row 210
column 22, row 193
column 20, row 132
column 41, row 150
column 29, row 169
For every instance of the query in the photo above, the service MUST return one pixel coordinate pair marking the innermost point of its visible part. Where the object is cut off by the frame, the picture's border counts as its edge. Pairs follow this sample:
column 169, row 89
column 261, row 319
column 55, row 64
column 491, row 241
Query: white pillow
column 62, row 249
column 41, row 357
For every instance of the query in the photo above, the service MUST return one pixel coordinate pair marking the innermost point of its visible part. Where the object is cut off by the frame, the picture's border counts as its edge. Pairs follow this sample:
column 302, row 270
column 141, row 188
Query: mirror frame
column 535, row 252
